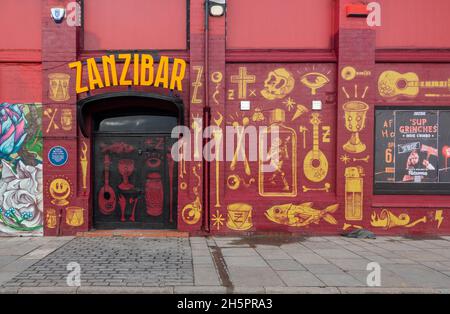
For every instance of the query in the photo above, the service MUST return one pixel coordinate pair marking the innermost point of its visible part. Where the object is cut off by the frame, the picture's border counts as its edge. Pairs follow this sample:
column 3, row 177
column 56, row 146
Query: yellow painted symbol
column 355, row 122
column 231, row 94
column 192, row 212
column 392, row 83
column 217, row 135
column 74, row 216
column 59, row 190
column 300, row 215
column 346, row 226
column 289, row 103
column 325, row 188
column 234, row 182
column 242, row 79
column 84, row 164
column 196, row 126
column 51, row 114
column 282, row 157
column 59, row 86
column 348, row 73
column 315, row 164
column 365, row 159
column 279, row 83
column 217, row 219
column 197, row 84
column 51, row 218
column 386, row 219
column 438, row 217
column 303, row 130
column 354, row 187
column 258, row 115
column 239, row 216
column 314, row 81
column 240, row 147
column 216, row 77
column 66, row 119
column 345, row 159
column 326, row 129
column 299, row 112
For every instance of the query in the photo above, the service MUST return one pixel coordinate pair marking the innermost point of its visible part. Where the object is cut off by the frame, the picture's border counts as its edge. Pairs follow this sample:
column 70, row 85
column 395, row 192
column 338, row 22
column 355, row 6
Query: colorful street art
column 21, row 197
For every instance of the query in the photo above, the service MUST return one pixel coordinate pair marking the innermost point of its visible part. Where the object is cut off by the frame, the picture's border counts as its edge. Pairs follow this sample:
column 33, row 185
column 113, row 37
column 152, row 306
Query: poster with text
column 384, row 146
column 416, row 146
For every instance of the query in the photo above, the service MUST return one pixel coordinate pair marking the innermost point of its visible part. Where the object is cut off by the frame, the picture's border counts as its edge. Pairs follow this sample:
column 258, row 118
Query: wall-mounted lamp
column 217, row 7
column 58, row 14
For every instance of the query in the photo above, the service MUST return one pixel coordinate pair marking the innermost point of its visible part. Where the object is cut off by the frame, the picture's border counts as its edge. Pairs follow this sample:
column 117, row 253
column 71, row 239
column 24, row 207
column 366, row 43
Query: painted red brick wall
column 218, row 79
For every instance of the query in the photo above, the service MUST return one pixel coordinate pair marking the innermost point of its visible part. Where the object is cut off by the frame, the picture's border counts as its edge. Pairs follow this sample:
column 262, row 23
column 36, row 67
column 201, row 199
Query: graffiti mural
column 21, row 197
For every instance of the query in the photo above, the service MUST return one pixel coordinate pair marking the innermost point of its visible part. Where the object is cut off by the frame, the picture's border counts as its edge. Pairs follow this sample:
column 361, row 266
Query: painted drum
column 154, row 194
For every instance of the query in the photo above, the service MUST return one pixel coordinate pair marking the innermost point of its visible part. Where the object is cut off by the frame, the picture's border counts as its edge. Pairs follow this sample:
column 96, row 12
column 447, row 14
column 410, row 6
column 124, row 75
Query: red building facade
column 363, row 113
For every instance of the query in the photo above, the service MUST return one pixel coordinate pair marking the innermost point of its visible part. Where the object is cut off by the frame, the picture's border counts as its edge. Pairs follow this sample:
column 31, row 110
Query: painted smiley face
column 60, row 190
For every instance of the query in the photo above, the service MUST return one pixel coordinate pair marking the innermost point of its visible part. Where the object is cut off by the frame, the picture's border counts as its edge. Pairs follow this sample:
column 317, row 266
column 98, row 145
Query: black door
column 135, row 183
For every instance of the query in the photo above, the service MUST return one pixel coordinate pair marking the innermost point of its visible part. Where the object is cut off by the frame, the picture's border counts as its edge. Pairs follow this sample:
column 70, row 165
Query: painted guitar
column 391, row 84
column 107, row 196
column 315, row 165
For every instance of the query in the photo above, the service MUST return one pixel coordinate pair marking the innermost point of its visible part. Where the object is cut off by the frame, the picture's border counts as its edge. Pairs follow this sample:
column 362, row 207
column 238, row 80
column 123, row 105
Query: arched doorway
column 134, row 175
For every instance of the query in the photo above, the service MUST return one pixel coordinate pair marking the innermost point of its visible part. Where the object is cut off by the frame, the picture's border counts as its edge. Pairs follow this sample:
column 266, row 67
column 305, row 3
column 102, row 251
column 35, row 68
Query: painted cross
column 242, row 79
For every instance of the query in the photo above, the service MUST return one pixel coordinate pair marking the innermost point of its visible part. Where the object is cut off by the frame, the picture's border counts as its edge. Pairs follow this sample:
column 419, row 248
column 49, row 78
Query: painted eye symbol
column 314, row 81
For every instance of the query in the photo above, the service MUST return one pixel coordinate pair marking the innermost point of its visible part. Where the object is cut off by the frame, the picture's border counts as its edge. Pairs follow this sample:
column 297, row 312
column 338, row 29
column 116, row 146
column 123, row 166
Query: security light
column 217, row 7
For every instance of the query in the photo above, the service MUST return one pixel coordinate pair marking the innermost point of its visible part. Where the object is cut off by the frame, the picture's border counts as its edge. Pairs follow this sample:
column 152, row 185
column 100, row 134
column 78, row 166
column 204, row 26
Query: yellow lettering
column 93, row 74
column 126, row 65
column 136, row 69
column 109, row 61
column 177, row 78
column 162, row 75
column 79, row 68
column 146, row 65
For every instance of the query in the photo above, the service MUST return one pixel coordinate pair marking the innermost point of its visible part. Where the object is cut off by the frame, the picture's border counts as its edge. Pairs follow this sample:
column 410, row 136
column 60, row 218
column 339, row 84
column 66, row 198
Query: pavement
column 257, row 264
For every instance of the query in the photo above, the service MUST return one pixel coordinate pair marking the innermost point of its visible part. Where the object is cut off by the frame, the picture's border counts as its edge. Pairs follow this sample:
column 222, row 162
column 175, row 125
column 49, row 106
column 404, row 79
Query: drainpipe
column 206, row 123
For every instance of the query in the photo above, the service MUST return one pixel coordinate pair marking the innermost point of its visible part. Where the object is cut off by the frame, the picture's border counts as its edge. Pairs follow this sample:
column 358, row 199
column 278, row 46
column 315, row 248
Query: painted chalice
column 355, row 122
column 126, row 168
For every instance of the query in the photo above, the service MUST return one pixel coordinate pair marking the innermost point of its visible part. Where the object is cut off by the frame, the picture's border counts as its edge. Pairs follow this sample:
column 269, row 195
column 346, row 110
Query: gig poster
column 412, row 146
column 416, row 146
column 444, row 146
column 384, row 146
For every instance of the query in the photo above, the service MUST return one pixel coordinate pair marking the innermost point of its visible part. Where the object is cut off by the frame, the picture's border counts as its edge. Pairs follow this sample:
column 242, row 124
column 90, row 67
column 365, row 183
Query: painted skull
column 278, row 84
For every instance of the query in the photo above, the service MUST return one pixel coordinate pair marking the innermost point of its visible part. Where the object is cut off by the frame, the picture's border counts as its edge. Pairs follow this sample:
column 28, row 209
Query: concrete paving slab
column 253, row 261
column 299, row 278
column 238, row 252
column 301, row 290
column 323, row 269
column 253, row 276
column 339, row 280
column 285, row 264
column 272, row 254
column 308, row 258
column 351, row 263
column 420, row 276
column 335, row 253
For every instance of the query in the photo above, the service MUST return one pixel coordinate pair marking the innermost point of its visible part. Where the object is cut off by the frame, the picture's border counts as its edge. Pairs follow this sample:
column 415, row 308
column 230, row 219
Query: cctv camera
column 58, row 14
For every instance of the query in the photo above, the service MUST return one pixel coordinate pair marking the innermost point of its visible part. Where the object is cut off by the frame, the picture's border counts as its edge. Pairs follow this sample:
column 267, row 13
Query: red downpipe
column 206, row 123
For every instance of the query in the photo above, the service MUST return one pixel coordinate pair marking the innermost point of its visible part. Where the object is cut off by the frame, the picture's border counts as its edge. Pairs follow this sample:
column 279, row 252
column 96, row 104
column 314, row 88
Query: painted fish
column 300, row 215
column 120, row 147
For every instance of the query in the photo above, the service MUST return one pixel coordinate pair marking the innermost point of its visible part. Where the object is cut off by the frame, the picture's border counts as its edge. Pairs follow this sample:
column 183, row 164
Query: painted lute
column 107, row 196
column 315, row 164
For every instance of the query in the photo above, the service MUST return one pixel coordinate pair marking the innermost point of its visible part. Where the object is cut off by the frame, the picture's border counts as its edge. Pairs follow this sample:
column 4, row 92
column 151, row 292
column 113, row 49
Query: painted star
column 217, row 219
column 289, row 103
column 345, row 159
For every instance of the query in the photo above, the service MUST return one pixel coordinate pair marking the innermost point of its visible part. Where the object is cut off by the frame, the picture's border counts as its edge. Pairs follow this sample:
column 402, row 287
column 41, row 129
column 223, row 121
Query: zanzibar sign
column 143, row 72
